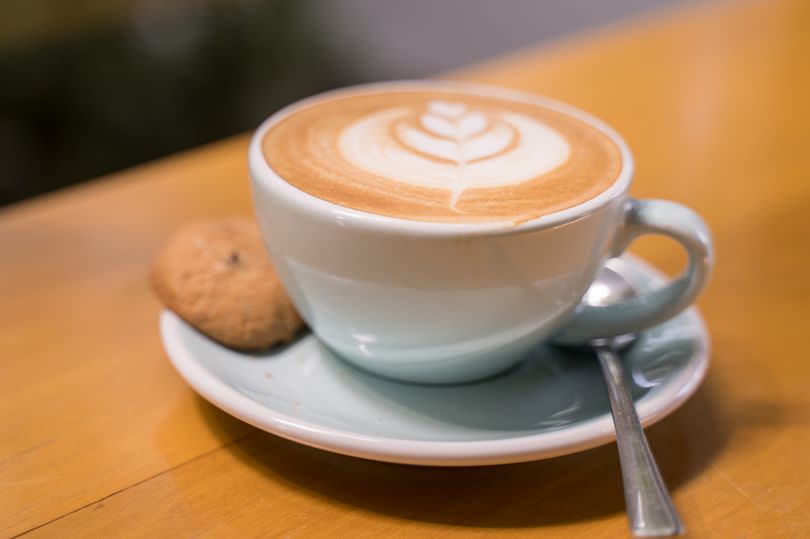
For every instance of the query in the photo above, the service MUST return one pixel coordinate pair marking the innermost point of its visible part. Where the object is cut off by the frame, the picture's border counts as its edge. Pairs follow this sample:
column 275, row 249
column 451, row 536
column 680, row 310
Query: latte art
column 436, row 152
column 452, row 146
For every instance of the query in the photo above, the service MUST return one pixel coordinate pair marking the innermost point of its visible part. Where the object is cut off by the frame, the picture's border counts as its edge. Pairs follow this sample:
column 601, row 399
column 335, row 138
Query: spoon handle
column 649, row 506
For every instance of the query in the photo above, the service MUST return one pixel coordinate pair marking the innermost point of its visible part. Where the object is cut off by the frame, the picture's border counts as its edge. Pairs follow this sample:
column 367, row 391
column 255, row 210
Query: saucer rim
column 547, row 444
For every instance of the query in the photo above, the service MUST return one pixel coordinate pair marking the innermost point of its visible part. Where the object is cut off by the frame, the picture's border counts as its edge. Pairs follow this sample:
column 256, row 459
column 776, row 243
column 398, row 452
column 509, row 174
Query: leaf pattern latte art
column 455, row 133
column 452, row 146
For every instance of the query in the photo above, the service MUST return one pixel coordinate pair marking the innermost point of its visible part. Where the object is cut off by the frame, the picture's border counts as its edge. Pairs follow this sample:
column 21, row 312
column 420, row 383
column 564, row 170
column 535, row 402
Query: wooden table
column 99, row 436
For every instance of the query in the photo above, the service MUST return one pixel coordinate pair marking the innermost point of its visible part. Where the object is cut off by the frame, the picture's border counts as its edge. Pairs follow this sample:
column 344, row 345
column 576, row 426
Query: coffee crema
column 442, row 153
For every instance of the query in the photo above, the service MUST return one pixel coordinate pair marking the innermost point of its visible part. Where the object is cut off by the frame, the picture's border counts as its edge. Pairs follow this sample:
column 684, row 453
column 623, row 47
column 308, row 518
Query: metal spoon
column 649, row 506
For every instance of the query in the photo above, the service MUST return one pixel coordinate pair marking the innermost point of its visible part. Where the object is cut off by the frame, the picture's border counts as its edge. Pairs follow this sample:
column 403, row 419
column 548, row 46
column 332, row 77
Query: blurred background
column 88, row 87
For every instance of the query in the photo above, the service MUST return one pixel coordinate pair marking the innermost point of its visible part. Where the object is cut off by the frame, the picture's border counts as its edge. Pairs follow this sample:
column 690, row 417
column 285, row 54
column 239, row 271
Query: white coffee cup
column 448, row 302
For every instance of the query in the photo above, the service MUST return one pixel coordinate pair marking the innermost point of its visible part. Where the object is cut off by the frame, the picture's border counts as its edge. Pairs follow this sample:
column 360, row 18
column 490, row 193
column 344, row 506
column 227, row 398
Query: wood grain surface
column 99, row 437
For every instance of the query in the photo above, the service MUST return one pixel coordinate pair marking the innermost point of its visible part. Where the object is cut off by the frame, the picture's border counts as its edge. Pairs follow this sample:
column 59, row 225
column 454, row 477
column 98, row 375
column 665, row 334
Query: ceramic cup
column 445, row 303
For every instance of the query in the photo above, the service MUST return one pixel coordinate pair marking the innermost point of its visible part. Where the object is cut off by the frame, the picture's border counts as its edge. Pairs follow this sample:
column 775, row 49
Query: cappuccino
column 441, row 152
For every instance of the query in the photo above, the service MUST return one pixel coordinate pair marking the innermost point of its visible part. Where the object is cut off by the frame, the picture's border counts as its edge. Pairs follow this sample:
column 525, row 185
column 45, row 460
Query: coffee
column 441, row 152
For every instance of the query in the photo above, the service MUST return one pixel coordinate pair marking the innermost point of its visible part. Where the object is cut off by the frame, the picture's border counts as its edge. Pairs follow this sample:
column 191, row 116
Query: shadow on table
column 571, row 488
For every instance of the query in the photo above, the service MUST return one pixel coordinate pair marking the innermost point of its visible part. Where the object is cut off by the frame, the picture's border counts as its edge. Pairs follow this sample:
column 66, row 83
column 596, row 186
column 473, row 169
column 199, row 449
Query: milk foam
column 449, row 145
column 441, row 153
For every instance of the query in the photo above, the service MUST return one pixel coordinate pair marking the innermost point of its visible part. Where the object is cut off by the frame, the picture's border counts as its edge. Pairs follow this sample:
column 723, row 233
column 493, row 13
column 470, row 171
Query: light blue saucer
column 552, row 404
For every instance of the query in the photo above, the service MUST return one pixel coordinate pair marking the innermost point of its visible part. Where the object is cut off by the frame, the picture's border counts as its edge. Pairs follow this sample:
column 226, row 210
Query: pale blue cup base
column 443, row 366
column 463, row 369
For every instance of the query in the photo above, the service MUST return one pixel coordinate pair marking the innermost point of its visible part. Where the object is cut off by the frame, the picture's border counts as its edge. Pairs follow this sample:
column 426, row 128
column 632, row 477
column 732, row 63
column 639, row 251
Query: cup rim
column 264, row 176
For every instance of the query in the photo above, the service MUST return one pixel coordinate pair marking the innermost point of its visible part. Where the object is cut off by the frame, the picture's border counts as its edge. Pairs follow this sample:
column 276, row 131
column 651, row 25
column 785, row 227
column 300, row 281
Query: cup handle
column 649, row 217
